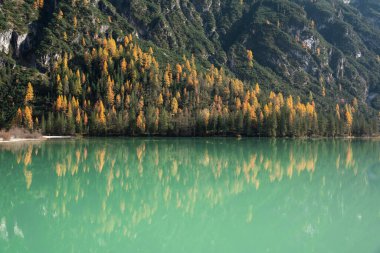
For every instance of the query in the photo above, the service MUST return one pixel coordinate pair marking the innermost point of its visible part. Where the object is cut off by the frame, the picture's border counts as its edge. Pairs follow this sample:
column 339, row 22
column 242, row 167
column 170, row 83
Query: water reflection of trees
column 120, row 183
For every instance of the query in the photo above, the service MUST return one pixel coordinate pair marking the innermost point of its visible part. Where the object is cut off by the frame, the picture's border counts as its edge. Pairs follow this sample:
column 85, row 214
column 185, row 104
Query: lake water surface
column 190, row 195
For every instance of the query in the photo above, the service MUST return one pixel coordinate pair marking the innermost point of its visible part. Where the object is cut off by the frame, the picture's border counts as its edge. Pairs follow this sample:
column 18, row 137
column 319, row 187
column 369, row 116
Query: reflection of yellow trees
column 349, row 157
column 132, row 188
column 140, row 151
column 174, row 169
column 60, row 169
column 28, row 178
column 110, row 178
column 100, row 158
column 28, row 155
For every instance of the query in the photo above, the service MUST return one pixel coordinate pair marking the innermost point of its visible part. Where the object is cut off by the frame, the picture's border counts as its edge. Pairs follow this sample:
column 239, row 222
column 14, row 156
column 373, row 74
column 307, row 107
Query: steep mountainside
column 327, row 50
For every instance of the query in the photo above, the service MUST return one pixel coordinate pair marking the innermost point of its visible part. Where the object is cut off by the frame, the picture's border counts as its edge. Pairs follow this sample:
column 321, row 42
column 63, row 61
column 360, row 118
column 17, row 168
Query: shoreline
column 43, row 138
column 63, row 137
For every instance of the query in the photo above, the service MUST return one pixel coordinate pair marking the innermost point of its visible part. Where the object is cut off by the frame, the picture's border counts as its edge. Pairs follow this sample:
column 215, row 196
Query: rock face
column 5, row 41
column 20, row 42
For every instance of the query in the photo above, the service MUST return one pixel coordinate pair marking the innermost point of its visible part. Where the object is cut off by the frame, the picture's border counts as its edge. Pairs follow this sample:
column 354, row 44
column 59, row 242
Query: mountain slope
column 324, row 50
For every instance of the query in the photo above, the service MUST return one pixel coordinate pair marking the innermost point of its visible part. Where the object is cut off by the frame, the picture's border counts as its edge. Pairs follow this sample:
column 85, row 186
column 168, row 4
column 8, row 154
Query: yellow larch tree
column 140, row 121
column 349, row 118
column 123, row 65
column 28, row 117
column 100, row 116
column 29, row 96
column 250, row 58
column 160, row 100
column 18, row 118
column 257, row 89
column 75, row 22
column 85, row 119
column 78, row 117
column 178, row 72
column 174, row 106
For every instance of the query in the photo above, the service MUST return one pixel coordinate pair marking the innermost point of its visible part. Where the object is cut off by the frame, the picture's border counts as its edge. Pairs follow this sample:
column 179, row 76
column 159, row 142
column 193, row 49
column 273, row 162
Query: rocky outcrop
column 5, row 41
column 21, row 39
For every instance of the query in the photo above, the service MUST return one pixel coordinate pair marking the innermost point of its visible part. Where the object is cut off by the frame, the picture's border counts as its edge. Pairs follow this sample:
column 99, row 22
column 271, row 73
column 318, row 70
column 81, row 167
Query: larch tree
column 140, row 122
column 174, row 106
column 29, row 96
column 349, row 119
column 250, row 58
column 168, row 76
column 75, row 22
column 28, row 117
column 123, row 66
column 110, row 92
column 257, row 89
column 112, row 46
column 18, row 118
column 178, row 72
column 100, row 116
column 160, row 100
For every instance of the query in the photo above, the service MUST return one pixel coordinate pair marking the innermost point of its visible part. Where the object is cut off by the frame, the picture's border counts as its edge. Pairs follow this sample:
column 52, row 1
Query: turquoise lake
column 189, row 195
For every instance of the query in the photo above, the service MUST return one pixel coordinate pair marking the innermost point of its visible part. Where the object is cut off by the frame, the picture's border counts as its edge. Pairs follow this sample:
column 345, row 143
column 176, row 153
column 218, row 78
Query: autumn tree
column 17, row 121
column 28, row 117
column 250, row 58
column 123, row 65
column 174, row 106
column 110, row 92
column 29, row 96
column 140, row 122
column 349, row 119
column 100, row 117
column 75, row 22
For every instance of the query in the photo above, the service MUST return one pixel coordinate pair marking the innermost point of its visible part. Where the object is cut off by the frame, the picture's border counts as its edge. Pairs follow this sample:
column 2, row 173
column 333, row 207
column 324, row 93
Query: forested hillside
column 191, row 67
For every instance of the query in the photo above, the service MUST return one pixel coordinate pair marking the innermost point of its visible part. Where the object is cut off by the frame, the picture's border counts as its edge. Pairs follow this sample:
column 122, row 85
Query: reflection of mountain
column 113, row 186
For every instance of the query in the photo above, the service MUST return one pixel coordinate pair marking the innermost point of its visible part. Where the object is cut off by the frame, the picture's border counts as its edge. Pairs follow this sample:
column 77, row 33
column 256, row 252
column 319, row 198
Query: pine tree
column 77, row 88
column 43, row 124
